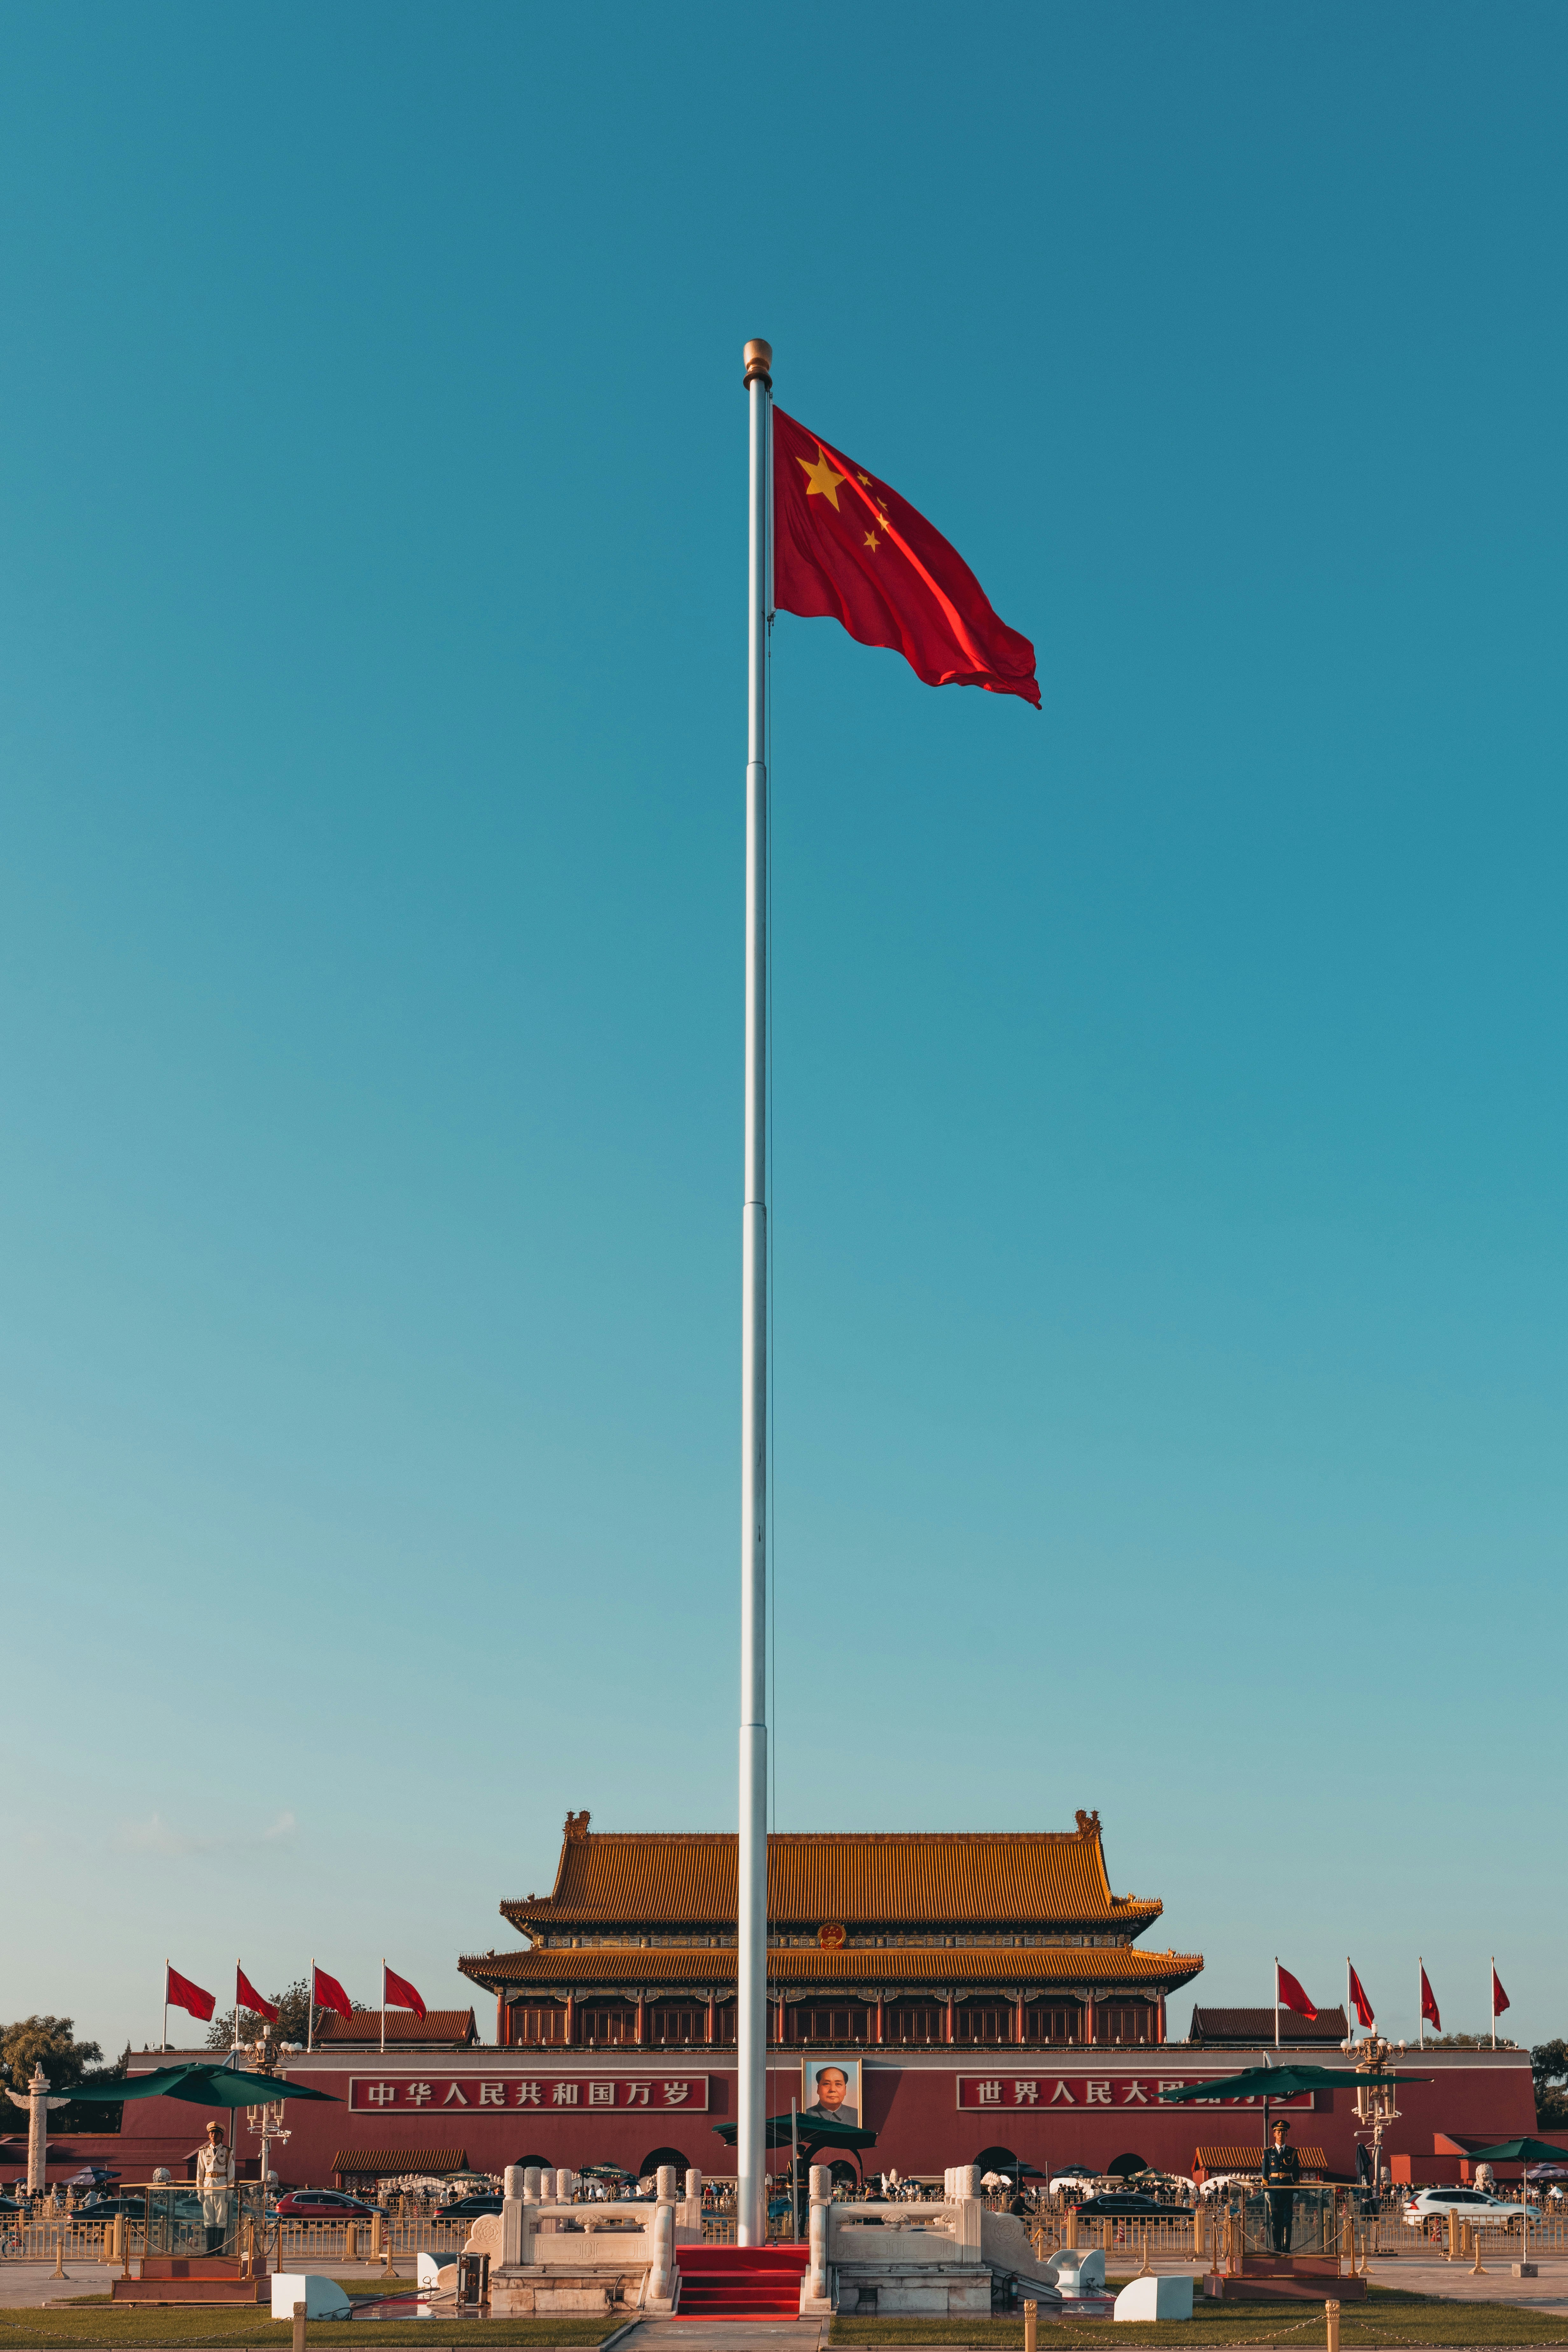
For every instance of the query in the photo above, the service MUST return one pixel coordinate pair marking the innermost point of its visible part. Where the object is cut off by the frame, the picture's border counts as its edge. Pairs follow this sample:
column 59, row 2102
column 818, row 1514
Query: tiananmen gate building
column 988, row 1993
column 984, row 1941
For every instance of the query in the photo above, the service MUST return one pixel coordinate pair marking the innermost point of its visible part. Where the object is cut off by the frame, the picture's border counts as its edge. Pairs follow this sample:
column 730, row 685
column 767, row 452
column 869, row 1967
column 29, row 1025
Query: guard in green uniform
column 1281, row 2171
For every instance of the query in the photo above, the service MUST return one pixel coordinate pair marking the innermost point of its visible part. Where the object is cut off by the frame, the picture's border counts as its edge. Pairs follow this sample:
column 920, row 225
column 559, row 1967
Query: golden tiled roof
column 443, row 2025
column 916, row 1879
column 1250, row 2159
column 1104, row 1970
column 387, row 2162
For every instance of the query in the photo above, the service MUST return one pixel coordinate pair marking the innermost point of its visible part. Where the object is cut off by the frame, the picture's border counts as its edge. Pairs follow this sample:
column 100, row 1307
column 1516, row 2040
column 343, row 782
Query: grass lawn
column 1388, row 2317
column 92, row 2320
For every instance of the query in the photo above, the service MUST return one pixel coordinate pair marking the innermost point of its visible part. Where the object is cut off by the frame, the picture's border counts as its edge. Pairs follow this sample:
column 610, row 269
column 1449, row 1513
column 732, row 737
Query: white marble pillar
column 38, row 2102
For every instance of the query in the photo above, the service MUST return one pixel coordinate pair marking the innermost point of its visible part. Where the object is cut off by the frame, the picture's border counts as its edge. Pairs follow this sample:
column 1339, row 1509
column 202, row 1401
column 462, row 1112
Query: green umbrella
column 1282, row 2083
column 1267, row 2082
column 1507, row 2151
column 813, row 2133
column 202, row 2087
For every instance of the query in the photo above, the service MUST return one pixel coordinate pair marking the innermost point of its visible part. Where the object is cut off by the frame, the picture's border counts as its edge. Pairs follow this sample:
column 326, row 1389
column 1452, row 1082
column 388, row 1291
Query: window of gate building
column 537, row 2022
column 813, row 2023
column 914, row 2021
column 983, row 2020
column 1053, row 2021
column 1126, row 2020
column 723, row 2021
column 608, row 2022
column 676, row 2021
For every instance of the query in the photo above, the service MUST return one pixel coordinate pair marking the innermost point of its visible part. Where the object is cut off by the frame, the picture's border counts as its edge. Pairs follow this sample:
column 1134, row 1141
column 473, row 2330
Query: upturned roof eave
column 1099, row 1971
column 1126, row 1911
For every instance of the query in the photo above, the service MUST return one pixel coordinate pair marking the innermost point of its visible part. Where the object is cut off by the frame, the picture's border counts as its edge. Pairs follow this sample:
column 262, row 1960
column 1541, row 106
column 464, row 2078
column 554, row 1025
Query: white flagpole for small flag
column 1421, row 1997
column 167, row 1964
column 752, row 1889
column 384, row 2004
column 311, row 2009
column 1494, row 1999
column 1350, row 2009
column 1277, row 2001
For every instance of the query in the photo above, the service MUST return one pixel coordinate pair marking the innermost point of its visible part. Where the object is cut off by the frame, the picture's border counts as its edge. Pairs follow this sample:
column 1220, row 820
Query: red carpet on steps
column 740, row 2281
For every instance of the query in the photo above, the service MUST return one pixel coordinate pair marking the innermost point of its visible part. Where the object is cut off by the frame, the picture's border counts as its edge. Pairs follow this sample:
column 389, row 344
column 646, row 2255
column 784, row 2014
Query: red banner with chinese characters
column 431, row 2095
column 1092, row 2091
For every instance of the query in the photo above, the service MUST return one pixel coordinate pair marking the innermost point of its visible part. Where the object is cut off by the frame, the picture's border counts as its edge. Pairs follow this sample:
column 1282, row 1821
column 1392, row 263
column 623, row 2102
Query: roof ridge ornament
column 1087, row 1824
column 577, row 1828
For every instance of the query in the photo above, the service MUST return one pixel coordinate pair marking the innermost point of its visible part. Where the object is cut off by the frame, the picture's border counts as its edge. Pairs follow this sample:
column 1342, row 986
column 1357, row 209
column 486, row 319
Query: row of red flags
column 179, row 1992
column 1290, row 1993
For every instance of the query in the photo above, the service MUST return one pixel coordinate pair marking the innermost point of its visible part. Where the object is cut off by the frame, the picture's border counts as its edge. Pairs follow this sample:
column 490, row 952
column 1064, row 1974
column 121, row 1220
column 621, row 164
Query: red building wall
column 1108, row 2106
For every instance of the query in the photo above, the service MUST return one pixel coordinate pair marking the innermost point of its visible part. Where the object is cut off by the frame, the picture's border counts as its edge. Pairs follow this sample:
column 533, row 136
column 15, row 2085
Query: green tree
column 293, row 2014
column 51, row 2043
column 1549, row 2066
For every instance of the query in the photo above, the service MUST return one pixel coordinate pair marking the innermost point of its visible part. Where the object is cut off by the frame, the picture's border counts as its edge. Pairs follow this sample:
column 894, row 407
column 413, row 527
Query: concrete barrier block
column 1160, row 2297
column 323, row 2298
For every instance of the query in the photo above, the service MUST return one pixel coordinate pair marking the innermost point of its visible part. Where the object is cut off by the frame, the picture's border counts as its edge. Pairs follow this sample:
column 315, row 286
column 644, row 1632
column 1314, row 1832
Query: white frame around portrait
column 810, row 2067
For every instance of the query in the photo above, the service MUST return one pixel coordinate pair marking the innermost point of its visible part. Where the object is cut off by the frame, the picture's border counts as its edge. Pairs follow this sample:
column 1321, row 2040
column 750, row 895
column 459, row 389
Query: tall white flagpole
column 1277, row 2001
column 751, row 1914
column 1494, row 2000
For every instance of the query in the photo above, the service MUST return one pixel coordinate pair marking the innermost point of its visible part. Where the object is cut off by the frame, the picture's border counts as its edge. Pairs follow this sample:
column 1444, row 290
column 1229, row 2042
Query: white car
column 1469, row 2204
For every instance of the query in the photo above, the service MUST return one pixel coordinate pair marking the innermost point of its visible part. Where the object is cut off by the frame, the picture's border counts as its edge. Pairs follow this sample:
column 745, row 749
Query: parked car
column 1117, row 2205
column 10, row 2205
column 324, row 2205
column 466, row 2209
column 104, row 2209
column 1470, row 2204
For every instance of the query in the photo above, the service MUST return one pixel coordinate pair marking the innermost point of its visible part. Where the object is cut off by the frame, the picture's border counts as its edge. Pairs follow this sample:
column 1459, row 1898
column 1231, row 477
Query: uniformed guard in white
column 215, row 2178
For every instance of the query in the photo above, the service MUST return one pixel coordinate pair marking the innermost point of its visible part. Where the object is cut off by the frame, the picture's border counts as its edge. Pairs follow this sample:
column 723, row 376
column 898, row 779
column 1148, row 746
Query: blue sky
column 1169, row 1113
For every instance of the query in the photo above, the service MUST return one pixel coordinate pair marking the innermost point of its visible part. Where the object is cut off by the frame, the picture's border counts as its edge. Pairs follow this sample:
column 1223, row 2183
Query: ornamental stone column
column 38, row 2102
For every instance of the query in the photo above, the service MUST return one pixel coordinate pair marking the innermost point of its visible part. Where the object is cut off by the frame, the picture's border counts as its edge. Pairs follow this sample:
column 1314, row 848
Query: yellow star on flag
column 872, row 541
column 821, row 479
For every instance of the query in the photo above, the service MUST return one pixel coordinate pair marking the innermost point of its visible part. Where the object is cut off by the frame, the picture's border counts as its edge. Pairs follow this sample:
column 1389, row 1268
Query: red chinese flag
column 248, row 1997
column 330, row 1994
column 181, row 1993
column 1363, row 2006
column 397, row 1992
column 1290, row 1994
column 847, row 548
column 1429, row 2003
column 1500, row 1998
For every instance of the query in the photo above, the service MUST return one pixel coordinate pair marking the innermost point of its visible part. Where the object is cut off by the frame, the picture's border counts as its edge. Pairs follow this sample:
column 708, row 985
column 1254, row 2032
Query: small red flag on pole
column 1359, row 2000
column 179, row 1992
column 330, row 1994
column 1429, row 2015
column 1290, row 1993
column 1500, row 2001
column 398, row 1993
column 247, row 1997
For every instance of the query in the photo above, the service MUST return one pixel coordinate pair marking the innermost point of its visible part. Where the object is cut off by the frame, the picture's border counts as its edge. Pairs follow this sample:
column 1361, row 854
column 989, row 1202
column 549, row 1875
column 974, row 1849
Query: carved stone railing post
column 511, row 2215
column 817, row 2226
column 661, row 2280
